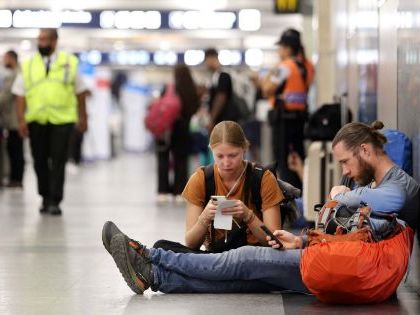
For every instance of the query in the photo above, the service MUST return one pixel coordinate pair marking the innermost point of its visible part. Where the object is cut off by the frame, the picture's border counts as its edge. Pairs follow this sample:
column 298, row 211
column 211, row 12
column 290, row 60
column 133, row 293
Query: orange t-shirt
column 271, row 195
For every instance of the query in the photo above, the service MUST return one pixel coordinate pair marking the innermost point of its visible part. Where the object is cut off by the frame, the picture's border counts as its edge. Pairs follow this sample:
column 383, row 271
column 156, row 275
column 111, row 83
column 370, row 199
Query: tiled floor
column 57, row 265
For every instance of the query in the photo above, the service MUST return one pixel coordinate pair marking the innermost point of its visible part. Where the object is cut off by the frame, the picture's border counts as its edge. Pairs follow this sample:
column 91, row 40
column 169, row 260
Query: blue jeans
column 246, row 269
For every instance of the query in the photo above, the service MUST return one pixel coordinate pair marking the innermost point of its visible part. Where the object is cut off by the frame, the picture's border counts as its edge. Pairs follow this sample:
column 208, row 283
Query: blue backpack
column 399, row 149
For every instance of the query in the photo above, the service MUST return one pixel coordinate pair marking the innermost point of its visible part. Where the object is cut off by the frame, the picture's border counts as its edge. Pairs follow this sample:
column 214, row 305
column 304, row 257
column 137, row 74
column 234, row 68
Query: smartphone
column 269, row 233
column 217, row 199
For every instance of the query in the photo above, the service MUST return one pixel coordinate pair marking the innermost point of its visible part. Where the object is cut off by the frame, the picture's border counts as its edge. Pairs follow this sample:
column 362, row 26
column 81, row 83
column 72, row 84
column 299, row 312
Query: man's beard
column 366, row 173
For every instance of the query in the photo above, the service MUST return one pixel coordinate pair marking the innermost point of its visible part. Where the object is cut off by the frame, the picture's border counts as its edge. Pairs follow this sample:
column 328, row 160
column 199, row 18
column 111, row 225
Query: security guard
column 287, row 86
column 50, row 100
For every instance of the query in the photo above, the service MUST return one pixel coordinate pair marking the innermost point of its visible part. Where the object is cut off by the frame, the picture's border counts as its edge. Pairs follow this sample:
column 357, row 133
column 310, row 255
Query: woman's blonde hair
column 228, row 132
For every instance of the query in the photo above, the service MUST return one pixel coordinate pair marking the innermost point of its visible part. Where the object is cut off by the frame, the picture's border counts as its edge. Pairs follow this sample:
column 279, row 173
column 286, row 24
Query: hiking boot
column 135, row 268
column 109, row 230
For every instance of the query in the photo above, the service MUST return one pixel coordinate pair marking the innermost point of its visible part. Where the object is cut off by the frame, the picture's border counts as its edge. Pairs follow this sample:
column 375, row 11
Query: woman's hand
column 238, row 211
column 208, row 213
column 289, row 240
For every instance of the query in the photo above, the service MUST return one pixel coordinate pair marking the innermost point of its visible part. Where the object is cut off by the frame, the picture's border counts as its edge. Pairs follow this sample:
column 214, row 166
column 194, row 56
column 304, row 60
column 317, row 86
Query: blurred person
column 179, row 139
column 76, row 141
column 9, row 121
column 230, row 173
column 220, row 90
column 287, row 86
column 50, row 100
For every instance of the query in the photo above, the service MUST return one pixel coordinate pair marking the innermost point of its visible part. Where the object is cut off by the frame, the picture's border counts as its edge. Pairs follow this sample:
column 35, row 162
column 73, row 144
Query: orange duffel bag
column 356, row 272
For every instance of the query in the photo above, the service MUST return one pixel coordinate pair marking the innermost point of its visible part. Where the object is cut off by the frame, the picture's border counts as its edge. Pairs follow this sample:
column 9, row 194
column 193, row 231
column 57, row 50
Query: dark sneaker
column 44, row 208
column 54, row 210
column 14, row 184
column 135, row 268
column 109, row 230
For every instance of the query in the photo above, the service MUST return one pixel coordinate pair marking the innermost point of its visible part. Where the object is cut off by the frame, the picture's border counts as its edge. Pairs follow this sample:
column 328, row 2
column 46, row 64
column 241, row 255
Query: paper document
column 223, row 221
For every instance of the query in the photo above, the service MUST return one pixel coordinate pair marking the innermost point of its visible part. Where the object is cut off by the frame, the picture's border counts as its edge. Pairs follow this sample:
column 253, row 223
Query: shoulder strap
column 210, row 186
column 302, row 71
column 255, row 179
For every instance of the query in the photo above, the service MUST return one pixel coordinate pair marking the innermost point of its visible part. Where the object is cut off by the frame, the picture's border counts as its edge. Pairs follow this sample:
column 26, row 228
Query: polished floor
column 57, row 265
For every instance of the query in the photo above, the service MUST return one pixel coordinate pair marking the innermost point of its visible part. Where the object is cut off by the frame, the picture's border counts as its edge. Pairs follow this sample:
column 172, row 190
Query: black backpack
column 325, row 122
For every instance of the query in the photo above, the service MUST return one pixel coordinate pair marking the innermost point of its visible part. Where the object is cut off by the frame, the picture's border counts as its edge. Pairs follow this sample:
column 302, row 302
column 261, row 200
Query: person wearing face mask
column 50, row 100
column 9, row 121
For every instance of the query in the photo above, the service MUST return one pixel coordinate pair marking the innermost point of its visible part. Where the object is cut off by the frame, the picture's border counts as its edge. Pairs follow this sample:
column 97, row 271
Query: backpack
column 356, row 271
column 325, row 122
column 399, row 149
column 254, row 174
column 163, row 112
column 243, row 88
column 335, row 218
column 240, row 104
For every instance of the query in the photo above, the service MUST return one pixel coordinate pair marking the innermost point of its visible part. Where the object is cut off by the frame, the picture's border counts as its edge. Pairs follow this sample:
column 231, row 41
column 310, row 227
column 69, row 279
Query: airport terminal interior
column 366, row 55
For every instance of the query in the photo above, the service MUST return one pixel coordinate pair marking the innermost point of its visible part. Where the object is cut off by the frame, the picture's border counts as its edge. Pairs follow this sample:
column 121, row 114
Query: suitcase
column 321, row 173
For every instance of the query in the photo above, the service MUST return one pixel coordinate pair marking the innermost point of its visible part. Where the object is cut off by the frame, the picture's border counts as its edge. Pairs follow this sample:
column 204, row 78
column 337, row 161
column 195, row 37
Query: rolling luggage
column 321, row 173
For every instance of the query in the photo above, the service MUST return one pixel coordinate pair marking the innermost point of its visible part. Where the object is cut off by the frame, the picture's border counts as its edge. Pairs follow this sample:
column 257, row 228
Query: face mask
column 45, row 51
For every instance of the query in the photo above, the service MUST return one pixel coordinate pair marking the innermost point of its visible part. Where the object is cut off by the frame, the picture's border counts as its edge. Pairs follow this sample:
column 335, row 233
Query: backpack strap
column 210, row 189
column 255, row 178
column 210, row 186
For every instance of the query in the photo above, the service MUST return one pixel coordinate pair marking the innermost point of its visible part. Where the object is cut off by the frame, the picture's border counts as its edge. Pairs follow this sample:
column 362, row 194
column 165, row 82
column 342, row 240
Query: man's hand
column 338, row 190
column 23, row 129
column 82, row 125
column 289, row 240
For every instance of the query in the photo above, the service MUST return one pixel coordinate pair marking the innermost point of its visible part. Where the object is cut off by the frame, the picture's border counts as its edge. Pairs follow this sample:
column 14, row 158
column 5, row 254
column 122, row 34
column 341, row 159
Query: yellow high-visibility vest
column 50, row 98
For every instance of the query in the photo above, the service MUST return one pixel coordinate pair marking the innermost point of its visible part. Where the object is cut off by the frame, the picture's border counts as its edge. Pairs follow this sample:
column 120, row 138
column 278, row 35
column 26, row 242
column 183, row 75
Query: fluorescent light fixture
column 193, row 57
column 249, row 20
column 230, row 57
column 94, row 57
column 153, row 20
column 36, row 19
column 5, row 18
column 106, row 19
column 201, row 20
column 161, row 58
column 130, row 19
column 122, row 19
column 75, row 17
column 176, row 19
column 137, row 19
column 254, row 57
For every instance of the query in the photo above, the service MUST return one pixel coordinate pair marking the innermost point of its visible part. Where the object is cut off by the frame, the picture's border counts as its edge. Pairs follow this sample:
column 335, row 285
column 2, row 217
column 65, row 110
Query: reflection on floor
column 57, row 265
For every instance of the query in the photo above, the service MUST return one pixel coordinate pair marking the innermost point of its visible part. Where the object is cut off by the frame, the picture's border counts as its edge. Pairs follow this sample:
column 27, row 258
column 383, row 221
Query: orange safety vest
column 295, row 89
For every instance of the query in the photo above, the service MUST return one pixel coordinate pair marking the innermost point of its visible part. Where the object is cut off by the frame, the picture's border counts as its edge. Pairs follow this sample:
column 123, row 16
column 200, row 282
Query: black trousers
column 178, row 147
column 49, row 146
column 15, row 153
column 75, row 146
column 180, row 165
column 287, row 137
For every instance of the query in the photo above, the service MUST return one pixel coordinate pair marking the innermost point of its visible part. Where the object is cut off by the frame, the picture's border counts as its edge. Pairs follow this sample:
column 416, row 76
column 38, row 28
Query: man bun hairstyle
column 355, row 134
